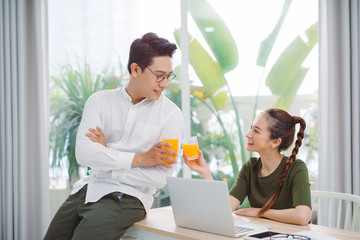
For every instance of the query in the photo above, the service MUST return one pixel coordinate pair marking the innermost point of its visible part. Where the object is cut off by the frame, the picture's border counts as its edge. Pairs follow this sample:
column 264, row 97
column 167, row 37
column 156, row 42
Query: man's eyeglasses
column 161, row 77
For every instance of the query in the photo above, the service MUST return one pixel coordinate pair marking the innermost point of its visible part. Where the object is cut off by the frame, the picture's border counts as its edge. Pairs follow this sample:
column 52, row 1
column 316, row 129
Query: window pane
column 91, row 38
column 249, row 81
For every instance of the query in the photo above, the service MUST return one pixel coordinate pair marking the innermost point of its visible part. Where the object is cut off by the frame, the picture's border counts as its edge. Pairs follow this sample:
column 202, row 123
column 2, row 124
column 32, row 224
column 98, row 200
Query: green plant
column 70, row 89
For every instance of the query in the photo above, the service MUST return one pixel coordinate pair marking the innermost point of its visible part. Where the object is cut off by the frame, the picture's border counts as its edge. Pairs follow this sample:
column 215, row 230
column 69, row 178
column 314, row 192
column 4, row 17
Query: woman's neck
column 270, row 161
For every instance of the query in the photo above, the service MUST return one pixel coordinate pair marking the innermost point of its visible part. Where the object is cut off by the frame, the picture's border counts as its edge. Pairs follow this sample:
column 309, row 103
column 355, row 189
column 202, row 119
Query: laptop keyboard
column 239, row 229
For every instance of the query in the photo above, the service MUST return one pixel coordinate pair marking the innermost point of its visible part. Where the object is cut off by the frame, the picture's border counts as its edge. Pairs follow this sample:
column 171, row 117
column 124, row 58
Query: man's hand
column 97, row 135
column 155, row 156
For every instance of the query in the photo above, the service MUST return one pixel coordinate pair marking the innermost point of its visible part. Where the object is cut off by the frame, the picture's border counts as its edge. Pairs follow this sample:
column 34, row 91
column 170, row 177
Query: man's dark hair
column 143, row 50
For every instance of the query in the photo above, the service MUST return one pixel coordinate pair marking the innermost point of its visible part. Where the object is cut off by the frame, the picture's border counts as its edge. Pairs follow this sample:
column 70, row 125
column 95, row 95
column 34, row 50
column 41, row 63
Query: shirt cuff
column 125, row 160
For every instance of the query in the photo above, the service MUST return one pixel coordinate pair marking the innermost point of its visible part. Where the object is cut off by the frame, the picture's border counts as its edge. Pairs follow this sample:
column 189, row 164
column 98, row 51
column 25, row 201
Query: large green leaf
column 175, row 86
column 283, row 79
column 216, row 33
column 285, row 99
column 208, row 71
column 267, row 44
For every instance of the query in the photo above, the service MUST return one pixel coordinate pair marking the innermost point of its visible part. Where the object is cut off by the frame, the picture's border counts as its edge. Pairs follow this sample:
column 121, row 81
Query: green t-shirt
column 294, row 192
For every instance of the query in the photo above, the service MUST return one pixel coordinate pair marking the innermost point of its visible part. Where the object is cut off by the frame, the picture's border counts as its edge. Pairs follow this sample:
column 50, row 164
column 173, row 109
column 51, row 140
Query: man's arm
column 94, row 155
column 141, row 173
column 155, row 176
column 98, row 156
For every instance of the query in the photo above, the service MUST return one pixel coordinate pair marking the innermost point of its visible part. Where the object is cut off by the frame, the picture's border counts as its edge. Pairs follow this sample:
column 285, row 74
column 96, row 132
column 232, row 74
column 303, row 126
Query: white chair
column 347, row 208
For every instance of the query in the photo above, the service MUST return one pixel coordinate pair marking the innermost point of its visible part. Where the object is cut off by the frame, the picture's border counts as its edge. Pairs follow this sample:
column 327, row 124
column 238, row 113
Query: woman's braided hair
column 282, row 125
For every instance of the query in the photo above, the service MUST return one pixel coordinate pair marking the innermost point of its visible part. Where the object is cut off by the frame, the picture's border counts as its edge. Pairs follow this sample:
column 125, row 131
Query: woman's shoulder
column 299, row 163
column 298, row 166
column 253, row 161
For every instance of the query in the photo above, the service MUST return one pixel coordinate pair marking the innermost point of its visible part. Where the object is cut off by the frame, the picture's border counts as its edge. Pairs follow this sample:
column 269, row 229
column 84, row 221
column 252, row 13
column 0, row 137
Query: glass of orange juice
column 174, row 146
column 191, row 147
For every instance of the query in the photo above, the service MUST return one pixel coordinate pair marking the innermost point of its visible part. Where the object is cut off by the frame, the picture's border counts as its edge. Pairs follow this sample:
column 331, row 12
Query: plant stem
column 240, row 133
column 228, row 140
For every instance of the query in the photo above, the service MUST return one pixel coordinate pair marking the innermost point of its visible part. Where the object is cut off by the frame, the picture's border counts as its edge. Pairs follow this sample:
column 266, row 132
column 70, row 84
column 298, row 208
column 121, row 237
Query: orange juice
column 191, row 150
column 174, row 147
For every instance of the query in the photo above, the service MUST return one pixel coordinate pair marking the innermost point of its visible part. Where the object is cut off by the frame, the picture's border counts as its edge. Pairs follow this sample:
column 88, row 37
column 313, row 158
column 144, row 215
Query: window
column 92, row 37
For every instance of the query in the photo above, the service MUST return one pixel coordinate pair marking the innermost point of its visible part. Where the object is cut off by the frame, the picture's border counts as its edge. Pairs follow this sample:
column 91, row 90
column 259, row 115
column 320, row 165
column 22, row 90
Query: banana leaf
column 175, row 86
column 285, row 99
column 267, row 44
column 208, row 71
column 216, row 34
column 286, row 75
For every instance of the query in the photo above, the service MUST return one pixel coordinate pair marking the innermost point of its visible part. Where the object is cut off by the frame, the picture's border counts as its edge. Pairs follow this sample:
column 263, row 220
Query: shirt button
column 94, row 176
column 122, row 141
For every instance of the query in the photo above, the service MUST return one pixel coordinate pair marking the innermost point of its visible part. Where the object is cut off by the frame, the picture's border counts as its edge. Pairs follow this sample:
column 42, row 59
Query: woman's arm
column 234, row 202
column 299, row 215
column 199, row 165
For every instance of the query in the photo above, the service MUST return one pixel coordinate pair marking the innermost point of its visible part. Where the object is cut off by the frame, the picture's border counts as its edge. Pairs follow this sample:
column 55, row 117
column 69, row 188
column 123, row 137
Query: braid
column 300, row 136
column 288, row 162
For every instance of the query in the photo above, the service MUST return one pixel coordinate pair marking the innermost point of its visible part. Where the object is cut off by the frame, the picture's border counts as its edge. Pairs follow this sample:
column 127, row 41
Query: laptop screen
column 202, row 205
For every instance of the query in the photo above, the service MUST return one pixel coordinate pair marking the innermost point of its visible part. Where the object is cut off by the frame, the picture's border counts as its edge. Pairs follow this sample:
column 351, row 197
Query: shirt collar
column 129, row 98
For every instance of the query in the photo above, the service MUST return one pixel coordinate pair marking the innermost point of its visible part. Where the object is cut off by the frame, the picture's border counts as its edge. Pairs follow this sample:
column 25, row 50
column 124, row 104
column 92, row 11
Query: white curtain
column 24, row 184
column 339, row 105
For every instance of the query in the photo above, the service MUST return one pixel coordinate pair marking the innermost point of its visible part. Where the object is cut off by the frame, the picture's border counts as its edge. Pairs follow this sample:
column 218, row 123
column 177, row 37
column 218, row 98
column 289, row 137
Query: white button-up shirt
column 128, row 129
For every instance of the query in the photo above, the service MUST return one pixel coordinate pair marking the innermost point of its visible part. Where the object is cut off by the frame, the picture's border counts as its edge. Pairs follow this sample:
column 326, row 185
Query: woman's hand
column 199, row 165
column 97, row 135
column 248, row 212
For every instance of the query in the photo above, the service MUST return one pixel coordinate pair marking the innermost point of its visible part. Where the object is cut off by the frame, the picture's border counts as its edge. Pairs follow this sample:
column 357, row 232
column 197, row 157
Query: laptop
column 205, row 205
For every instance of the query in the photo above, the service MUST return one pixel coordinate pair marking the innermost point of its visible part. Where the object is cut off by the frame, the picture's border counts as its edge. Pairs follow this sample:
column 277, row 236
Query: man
column 119, row 138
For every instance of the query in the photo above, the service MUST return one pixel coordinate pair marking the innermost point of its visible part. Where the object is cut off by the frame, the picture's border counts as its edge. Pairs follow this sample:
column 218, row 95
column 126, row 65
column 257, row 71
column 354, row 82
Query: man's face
column 147, row 85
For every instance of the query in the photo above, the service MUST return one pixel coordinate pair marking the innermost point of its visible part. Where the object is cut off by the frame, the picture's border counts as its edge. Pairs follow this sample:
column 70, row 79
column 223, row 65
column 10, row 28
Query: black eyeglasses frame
column 161, row 77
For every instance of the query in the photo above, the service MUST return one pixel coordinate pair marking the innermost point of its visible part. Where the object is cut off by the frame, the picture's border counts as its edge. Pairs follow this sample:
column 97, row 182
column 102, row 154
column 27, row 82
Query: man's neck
column 132, row 93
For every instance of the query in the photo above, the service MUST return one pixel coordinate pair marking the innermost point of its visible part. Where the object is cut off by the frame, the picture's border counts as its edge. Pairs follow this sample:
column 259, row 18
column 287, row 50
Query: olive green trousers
column 106, row 219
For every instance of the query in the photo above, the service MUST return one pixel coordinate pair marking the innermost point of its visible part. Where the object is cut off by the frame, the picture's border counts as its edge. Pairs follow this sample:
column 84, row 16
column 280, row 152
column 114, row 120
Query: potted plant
column 70, row 88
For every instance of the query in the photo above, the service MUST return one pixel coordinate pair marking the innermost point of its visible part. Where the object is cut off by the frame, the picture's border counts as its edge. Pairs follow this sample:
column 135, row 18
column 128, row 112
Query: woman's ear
column 134, row 67
column 276, row 142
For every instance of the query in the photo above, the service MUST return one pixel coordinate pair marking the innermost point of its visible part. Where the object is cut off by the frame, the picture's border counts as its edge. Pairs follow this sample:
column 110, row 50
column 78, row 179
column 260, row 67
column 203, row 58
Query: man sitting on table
column 119, row 138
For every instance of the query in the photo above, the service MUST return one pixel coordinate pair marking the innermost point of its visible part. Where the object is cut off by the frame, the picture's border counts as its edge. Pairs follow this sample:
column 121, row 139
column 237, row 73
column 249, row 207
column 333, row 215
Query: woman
column 277, row 186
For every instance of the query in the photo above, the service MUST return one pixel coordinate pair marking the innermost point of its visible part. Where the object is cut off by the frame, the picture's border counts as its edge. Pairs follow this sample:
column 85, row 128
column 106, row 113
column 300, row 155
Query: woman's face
column 258, row 137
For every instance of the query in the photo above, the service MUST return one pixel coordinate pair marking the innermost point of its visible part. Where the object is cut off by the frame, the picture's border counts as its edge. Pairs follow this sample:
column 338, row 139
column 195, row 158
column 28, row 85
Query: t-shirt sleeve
column 240, row 188
column 301, row 186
